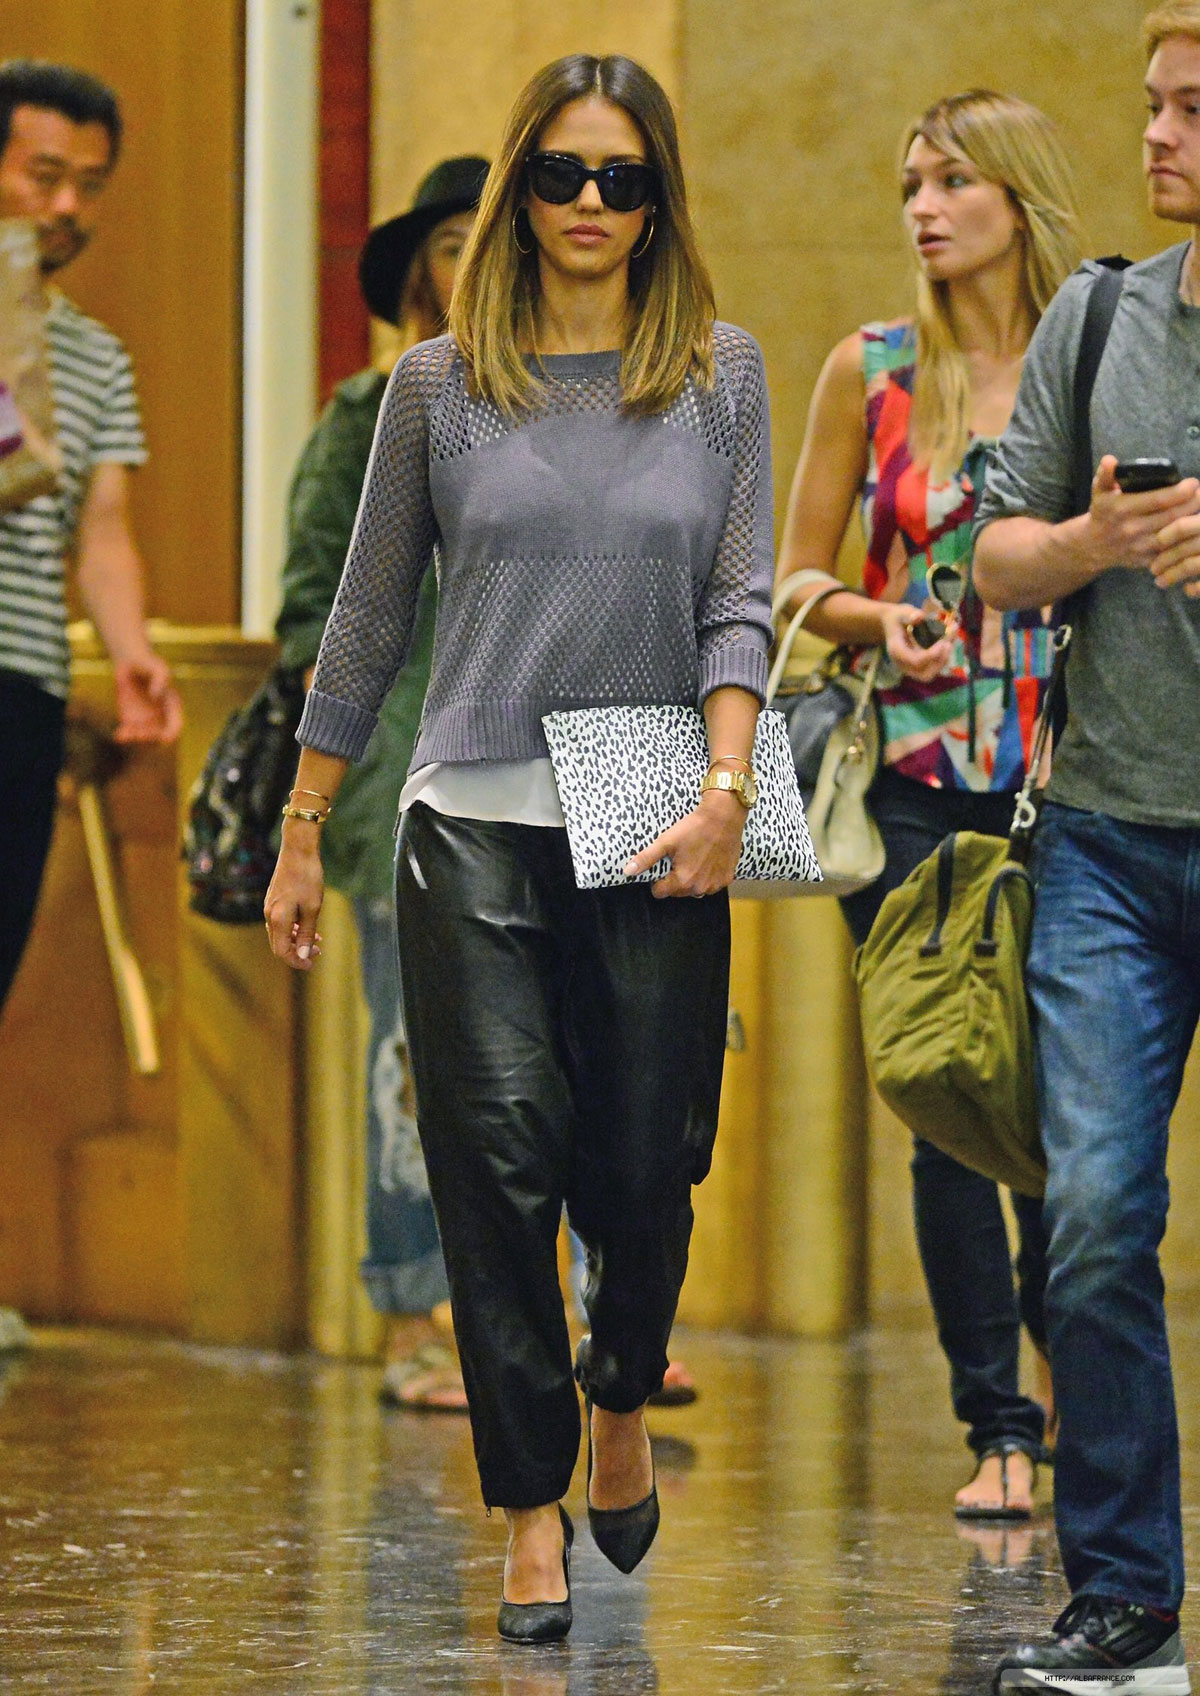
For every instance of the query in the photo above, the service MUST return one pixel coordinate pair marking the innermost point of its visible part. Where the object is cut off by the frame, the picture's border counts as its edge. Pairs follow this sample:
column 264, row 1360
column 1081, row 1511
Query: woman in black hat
column 407, row 274
column 407, row 265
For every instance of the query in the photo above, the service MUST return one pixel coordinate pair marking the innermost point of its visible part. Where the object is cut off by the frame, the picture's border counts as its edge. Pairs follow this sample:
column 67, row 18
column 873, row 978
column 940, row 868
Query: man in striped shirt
column 60, row 132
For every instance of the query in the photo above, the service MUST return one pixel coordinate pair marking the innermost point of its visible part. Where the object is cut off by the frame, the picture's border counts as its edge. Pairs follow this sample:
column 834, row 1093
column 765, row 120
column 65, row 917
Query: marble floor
column 199, row 1520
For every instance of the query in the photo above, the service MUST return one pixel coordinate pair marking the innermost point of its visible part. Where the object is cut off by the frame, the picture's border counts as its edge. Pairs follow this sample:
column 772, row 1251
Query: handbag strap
column 824, row 587
column 810, row 578
column 858, row 734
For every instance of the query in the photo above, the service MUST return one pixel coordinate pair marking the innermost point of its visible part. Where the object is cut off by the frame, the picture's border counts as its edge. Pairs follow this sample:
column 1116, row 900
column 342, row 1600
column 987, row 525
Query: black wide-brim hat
column 453, row 186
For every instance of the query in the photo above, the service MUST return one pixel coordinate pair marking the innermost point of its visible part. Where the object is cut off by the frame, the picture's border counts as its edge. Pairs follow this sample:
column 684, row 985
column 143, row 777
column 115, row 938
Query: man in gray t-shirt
column 1114, row 966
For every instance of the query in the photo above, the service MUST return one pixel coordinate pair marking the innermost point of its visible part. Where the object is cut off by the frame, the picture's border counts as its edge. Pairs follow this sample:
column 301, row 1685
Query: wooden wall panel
column 164, row 269
column 82, row 1137
column 447, row 71
column 171, row 1201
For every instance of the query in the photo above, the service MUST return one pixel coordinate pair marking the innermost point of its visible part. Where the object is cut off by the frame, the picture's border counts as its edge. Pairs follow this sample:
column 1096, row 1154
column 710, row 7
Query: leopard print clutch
column 625, row 774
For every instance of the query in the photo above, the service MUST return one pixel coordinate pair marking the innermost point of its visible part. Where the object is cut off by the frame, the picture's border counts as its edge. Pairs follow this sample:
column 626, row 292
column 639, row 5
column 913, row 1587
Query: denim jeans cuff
column 418, row 1286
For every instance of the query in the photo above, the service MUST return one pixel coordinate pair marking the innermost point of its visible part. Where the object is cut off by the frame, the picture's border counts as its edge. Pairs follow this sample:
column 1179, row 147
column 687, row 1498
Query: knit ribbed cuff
column 335, row 727
column 736, row 663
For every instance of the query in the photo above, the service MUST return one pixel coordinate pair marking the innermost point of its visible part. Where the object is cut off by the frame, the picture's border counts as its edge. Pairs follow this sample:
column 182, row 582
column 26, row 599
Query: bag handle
column 986, row 945
column 810, row 578
column 932, row 944
column 825, row 586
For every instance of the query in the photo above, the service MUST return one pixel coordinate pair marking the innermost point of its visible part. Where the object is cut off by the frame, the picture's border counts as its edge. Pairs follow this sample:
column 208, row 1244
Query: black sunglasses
column 558, row 178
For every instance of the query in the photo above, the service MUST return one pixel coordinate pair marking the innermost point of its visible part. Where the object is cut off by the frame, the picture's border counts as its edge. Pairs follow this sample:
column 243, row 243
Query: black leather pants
column 566, row 1046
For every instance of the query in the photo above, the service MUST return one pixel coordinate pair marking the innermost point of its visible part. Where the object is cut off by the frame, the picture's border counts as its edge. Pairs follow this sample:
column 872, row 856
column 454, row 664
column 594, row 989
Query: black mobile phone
column 1137, row 476
column 926, row 631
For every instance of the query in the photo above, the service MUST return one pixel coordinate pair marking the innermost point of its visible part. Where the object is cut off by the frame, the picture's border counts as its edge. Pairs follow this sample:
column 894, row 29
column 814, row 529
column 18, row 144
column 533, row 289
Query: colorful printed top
column 971, row 727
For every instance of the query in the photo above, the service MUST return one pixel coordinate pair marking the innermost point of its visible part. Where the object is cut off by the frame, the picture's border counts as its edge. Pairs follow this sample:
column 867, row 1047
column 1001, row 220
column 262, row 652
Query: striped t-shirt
column 97, row 420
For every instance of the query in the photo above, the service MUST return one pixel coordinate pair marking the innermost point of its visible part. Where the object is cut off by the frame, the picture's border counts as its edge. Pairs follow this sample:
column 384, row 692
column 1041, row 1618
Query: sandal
column 429, row 1381
column 1002, row 1510
column 678, row 1388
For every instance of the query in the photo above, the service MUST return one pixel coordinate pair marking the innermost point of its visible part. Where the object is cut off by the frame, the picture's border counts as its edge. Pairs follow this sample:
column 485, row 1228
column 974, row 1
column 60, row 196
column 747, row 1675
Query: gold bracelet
column 315, row 793
column 718, row 759
column 309, row 815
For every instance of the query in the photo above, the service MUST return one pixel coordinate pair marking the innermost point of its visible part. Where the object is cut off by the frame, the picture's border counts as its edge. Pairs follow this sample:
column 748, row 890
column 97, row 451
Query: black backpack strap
column 1097, row 321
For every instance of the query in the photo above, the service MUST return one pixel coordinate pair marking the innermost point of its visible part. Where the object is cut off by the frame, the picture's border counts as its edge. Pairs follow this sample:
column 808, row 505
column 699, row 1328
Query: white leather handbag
column 833, row 731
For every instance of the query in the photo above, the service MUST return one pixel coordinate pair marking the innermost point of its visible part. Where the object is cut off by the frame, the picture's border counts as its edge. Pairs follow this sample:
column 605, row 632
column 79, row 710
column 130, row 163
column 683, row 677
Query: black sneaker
column 1101, row 1644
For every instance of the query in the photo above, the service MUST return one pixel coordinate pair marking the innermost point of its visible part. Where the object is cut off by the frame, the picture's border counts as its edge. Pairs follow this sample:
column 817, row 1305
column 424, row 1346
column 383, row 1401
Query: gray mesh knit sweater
column 585, row 557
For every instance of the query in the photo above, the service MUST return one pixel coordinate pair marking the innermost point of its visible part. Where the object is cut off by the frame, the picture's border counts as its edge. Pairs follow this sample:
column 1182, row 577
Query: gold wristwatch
column 744, row 784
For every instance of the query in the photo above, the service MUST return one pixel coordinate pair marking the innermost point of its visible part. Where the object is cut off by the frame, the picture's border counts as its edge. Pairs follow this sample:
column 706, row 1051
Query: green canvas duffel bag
column 944, row 1011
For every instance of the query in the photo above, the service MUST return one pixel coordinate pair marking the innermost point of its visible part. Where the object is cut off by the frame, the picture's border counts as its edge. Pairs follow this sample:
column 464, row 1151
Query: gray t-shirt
column 1132, row 743
column 585, row 556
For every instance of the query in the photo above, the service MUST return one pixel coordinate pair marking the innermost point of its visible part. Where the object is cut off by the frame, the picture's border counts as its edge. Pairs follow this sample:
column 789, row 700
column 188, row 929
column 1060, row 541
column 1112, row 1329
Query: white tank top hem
column 500, row 791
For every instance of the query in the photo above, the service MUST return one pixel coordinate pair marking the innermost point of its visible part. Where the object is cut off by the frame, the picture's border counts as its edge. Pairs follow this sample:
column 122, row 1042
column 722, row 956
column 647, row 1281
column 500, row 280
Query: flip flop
column 970, row 1510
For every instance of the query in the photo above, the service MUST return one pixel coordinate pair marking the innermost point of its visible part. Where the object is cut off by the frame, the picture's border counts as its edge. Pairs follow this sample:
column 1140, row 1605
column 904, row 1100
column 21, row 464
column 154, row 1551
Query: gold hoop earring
column 525, row 251
column 649, row 237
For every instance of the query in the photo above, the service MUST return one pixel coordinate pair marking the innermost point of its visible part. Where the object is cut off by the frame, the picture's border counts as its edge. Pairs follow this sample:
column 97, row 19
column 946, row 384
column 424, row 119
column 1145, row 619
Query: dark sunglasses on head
column 558, row 178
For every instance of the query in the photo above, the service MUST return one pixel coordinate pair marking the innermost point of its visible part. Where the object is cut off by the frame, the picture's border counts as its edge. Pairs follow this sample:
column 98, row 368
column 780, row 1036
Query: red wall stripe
column 345, row 187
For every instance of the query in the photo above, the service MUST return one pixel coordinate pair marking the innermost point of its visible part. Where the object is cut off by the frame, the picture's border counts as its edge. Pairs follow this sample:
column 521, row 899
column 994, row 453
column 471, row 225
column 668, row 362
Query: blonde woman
column 902, row 420
column 586, row 455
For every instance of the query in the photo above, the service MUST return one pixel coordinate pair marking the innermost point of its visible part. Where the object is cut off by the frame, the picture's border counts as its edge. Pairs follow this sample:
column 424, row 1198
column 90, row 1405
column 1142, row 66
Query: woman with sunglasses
column 902, row 420
column 586, row 457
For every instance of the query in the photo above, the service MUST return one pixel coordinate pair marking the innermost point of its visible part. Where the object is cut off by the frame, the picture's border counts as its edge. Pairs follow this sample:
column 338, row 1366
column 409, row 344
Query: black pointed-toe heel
column 540, row 1622
column 622, row 1535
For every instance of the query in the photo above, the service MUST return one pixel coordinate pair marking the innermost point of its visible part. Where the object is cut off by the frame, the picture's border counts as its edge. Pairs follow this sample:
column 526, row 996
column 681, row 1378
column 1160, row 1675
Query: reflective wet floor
column 193, row 1520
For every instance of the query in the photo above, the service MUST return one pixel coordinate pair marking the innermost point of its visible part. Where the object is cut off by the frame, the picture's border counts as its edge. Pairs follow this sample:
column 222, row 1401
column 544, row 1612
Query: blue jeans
column 961, row 1234
column 1114, row 978
column 403, row 1270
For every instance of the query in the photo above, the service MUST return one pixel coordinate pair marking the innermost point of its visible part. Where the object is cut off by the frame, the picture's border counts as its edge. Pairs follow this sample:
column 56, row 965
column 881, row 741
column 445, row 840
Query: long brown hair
column 492, row 314
column 1013, row 144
